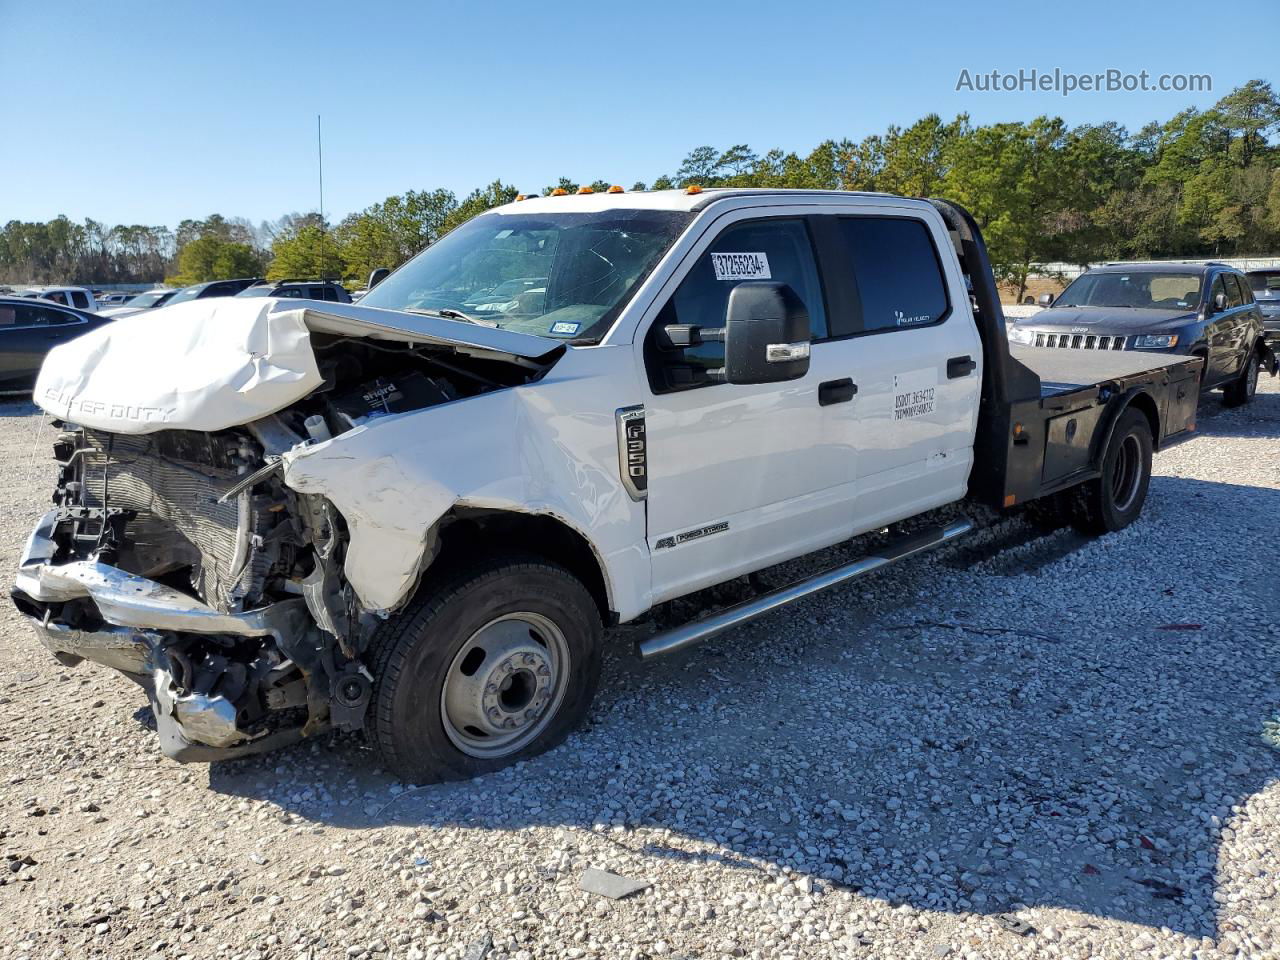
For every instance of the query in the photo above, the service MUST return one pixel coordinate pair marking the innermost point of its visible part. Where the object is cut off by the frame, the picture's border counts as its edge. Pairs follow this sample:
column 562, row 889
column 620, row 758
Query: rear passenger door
column 916, row 360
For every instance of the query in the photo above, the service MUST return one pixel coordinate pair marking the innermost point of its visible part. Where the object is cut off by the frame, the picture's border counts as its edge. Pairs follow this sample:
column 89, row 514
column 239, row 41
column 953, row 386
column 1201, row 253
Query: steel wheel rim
column 1127, row 475
column 504, row 685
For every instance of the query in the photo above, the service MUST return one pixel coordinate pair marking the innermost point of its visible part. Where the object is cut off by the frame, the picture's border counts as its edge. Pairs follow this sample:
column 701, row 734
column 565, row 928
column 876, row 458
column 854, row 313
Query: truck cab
column 404, row 516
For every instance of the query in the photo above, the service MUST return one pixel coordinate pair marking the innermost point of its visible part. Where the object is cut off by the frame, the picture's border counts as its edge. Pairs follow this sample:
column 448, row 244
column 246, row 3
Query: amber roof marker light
column 558, row 192
column 585, row 190
column 615, row 189
column 693, row 189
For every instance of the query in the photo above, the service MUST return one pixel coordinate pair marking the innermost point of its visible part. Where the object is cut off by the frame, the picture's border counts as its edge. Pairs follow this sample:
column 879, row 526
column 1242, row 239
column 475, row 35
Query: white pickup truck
column 419, row 514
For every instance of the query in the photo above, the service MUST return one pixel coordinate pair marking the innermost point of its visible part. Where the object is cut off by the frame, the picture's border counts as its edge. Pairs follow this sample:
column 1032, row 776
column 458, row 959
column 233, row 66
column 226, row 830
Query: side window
column 1234, row 299
column 330, row 294
column 1218, row 288
column 778, row 250
column 8, row 315
column 79, row 299
column 52, row 317
column 56, row 296
column 294, row 292
column 897, row 273
column 1246, row 290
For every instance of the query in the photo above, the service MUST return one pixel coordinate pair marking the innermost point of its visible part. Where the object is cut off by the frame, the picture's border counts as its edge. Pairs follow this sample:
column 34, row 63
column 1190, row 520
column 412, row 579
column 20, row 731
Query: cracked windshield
column 565, row 275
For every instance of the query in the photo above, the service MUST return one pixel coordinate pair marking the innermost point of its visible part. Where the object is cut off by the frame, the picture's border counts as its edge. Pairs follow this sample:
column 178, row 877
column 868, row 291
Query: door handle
column 836, row 391
column 960, row 367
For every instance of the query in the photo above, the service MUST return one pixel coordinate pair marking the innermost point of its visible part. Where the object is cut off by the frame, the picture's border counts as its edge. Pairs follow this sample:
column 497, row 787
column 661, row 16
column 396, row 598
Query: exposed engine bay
column 182, row 558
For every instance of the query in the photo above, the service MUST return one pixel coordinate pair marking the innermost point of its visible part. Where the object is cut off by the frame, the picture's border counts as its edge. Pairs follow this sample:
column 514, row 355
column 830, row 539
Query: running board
column 704, row 629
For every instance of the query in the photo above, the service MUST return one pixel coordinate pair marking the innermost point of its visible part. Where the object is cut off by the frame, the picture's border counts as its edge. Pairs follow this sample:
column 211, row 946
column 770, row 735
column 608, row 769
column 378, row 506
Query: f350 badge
column 633, row 459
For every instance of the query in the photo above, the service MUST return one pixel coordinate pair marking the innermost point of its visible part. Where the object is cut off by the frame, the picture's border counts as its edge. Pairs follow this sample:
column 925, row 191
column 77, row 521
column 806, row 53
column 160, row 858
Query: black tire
column 1241, row 390
column 410, row 723
column 1115, row 499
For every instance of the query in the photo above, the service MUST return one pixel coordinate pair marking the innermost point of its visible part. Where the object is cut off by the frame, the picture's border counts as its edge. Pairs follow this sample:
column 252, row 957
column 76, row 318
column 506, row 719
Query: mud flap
column 1269, row 355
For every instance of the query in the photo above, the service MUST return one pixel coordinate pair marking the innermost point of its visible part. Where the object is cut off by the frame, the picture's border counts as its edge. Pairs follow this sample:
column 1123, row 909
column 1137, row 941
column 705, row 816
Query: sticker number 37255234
column 741, row 266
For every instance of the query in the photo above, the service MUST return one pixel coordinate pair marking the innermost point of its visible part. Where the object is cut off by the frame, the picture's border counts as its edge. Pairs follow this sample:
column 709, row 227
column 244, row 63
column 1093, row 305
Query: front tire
column 1115, row 499
column 1241, row 390
column 486, row 668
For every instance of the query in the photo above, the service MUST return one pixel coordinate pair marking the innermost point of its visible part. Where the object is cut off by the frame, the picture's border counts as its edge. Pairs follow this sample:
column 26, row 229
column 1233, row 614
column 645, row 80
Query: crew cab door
column 741, row 476
column 916, row 359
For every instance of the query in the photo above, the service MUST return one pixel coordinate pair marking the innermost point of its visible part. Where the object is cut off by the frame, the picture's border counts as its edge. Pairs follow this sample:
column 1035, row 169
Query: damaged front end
column 160, row 561
column 181, row 557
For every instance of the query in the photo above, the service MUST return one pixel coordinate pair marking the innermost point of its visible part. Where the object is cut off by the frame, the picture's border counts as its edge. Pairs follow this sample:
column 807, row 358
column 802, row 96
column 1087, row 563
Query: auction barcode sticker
column 741, row 266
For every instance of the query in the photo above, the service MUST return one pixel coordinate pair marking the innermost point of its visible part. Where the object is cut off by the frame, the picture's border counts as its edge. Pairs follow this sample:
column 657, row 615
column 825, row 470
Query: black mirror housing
column 766, row 334
column 378, row 275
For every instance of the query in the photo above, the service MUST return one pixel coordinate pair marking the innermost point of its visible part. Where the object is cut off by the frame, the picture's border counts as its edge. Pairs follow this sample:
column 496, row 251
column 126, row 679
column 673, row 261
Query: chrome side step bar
column 738, row 614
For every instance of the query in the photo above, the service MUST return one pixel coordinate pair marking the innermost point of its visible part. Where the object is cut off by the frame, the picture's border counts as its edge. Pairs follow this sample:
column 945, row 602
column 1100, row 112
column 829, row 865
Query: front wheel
column 493, row 666
column 1241, row 390
column 1115, row 499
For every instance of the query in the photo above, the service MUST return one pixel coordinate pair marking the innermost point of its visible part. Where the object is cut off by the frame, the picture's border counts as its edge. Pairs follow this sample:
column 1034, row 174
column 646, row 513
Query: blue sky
column 152, row 112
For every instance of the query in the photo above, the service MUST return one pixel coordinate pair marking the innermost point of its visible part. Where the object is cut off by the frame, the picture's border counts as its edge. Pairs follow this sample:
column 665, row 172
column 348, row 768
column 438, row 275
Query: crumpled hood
column 1106, row 321
column 216, row 363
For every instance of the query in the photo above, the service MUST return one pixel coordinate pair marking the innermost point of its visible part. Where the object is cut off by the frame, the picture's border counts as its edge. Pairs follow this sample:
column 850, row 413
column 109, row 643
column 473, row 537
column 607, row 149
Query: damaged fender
column 393, row 480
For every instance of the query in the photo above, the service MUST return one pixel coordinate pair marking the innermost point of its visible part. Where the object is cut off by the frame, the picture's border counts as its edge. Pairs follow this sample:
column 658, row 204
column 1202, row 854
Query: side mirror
column 1045, row 300
column 1219, row 302
column 765, row 335
column 378, row 275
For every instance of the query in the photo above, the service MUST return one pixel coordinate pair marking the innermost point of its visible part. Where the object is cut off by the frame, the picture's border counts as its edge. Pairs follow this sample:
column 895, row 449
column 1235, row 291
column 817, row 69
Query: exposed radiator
column 179, row 522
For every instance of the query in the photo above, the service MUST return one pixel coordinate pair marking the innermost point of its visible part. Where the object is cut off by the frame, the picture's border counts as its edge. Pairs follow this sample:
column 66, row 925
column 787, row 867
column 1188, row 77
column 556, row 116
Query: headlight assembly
column 1157, row 341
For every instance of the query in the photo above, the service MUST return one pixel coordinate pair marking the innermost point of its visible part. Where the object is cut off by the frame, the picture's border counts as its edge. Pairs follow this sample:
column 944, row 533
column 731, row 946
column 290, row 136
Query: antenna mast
column 320, row 164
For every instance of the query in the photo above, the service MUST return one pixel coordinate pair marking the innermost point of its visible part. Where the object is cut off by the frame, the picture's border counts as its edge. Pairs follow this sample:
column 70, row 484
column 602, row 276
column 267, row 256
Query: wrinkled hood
column 1106, row 321
column 216, row 363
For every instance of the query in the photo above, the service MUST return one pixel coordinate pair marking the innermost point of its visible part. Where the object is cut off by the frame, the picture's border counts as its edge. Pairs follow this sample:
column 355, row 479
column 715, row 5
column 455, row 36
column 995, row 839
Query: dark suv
column 1199, row 309
column 1266, row 290
column 212, row 288
column 330, row 290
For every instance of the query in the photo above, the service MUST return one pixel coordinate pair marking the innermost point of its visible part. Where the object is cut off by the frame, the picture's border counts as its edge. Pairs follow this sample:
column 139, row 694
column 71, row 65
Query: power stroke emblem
column 633, row 458
column 697, row 534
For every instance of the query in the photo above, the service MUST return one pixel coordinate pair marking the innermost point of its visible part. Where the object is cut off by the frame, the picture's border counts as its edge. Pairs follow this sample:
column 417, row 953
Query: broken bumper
column 135, row 620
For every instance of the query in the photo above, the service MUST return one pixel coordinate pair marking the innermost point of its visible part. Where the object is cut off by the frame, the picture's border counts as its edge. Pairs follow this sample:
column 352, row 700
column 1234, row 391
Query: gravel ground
column 1024, row 745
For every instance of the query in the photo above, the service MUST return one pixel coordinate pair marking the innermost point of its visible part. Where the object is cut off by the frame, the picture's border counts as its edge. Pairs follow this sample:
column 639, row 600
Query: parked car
column 211, row 288
column 29, row 329
column 113, row 299
column 1265, row 285
column 78, row 297
column 1204, row 310
column 143, row 301
column 330, row 290
column 386, row 515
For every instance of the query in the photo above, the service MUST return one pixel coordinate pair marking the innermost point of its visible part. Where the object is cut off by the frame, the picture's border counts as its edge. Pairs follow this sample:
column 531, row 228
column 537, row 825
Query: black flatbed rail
column 1047, row 415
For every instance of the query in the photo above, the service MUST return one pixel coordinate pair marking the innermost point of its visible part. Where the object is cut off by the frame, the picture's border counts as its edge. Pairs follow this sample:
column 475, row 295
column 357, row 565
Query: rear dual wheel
column 1115, row 499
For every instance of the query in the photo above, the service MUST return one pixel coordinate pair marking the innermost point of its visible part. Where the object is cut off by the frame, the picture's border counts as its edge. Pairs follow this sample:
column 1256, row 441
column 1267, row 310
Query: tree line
column 1203, row 183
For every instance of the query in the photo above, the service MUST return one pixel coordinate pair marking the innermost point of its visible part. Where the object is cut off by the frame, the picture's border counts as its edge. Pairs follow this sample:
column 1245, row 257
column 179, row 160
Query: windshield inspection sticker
column 914, row 393
column 741, row 266
column 565, row 327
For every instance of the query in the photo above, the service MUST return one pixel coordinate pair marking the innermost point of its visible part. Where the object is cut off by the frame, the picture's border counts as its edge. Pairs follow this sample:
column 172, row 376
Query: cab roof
column 678, row 200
